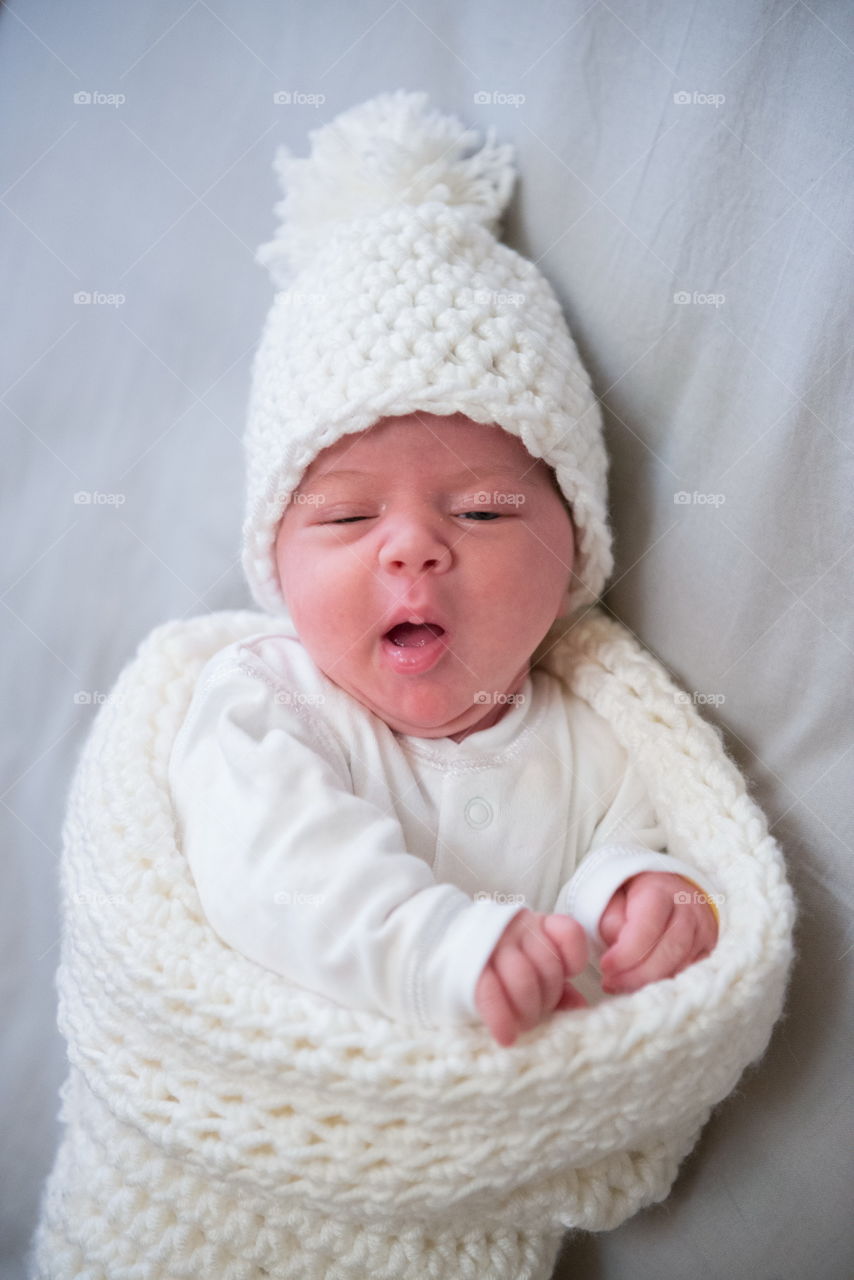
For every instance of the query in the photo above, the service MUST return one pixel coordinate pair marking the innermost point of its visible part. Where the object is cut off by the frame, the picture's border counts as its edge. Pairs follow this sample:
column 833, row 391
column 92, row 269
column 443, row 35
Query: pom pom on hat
column 390, row 151
column 394, row 297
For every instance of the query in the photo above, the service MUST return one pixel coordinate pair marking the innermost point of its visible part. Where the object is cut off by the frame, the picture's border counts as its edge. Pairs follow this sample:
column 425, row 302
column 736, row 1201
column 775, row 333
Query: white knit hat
column 394, row 297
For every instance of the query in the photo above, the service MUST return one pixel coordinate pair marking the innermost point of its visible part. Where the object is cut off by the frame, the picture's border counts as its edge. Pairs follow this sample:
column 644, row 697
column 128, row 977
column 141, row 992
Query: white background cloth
column 627, row 198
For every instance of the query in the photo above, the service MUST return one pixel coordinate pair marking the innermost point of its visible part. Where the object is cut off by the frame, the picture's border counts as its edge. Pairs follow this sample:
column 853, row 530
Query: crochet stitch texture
column 220, row 1122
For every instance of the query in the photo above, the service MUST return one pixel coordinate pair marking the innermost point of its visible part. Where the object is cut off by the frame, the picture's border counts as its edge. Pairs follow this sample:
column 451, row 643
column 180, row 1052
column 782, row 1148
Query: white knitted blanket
column 221, row 1123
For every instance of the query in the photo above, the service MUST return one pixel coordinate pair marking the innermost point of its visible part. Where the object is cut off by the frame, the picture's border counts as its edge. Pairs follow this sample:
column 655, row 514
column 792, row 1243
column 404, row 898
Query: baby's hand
column 651, row 933
column 527, row 975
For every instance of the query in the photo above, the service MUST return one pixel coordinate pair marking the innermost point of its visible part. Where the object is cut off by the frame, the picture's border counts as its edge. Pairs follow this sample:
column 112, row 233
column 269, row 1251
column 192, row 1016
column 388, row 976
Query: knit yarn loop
column 219, row 1121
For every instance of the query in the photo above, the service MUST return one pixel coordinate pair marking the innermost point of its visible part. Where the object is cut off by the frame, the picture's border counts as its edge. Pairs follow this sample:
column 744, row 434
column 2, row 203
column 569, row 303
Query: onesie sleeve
column 307, row 879
column 627, row 840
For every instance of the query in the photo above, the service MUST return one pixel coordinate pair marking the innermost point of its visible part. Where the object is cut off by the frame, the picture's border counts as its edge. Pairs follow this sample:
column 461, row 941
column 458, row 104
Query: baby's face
column 446, row 519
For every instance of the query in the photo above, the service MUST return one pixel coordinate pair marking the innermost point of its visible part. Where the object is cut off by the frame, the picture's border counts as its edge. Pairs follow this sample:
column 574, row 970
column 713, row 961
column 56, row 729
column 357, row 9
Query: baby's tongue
column 408, row 634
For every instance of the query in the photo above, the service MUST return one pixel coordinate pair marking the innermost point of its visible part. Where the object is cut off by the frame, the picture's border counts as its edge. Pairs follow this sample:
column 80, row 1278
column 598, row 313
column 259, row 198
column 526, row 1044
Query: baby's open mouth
column 411, row 635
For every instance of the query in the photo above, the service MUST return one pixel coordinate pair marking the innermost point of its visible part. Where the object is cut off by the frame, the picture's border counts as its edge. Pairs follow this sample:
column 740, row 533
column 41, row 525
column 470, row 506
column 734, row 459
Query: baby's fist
column 654, row 930
column 527, row 975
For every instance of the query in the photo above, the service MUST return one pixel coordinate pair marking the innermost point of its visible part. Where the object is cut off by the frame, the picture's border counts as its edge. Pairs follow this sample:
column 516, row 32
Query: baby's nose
column 414, row 544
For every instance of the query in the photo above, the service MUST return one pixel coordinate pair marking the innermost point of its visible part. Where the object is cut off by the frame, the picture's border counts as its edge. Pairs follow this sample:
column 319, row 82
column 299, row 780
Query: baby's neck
column 496, row 712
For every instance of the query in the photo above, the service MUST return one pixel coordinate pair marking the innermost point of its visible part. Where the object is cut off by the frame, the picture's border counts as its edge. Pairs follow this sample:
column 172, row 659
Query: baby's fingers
column 521, row 983
column 613, row 917
column 648, row 912
column 546, row 955
column 493, row 1006
column 669, row 954
column 570, row 941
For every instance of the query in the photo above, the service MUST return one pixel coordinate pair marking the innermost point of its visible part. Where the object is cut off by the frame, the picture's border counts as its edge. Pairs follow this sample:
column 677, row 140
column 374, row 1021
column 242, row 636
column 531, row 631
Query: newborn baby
column 384, row 801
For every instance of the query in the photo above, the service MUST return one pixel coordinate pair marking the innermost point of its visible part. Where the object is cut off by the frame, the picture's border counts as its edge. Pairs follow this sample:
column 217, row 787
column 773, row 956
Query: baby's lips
column 427, row 612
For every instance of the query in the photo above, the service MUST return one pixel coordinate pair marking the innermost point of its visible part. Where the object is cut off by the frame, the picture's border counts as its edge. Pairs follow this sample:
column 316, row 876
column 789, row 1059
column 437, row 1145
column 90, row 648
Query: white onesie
column 380, row 870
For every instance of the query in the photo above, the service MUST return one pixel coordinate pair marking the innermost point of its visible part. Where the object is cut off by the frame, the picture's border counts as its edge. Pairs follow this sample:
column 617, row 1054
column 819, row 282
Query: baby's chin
column 436, row 710
column 422, row 708
column 426, row 714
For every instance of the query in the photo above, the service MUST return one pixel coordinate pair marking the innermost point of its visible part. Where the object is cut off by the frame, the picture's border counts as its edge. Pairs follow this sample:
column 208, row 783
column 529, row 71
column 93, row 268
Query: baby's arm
column 304, row 877
column 650, row 913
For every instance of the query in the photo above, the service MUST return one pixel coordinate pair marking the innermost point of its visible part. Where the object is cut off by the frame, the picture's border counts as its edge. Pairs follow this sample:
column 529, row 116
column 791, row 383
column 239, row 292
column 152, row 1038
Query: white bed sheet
column 737, row 195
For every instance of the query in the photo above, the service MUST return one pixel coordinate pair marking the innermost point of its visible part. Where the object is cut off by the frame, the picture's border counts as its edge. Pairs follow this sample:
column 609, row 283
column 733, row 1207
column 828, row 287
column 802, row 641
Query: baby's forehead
column 452, row 447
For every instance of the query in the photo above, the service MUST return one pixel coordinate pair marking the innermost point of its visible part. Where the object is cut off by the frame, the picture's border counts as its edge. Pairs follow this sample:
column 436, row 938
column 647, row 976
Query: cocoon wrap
column 220, row 1122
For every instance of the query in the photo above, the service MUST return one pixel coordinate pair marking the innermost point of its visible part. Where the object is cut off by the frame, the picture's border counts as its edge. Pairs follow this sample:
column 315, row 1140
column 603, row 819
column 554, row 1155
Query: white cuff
column 586, row 895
